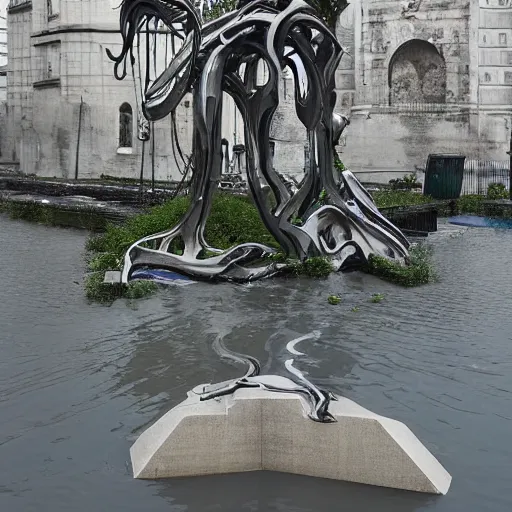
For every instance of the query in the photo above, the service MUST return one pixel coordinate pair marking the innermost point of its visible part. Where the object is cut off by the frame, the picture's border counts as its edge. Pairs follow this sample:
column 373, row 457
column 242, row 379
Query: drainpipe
column 510, row 168
column 141, row 178
column 78, row 138
column 153, row 158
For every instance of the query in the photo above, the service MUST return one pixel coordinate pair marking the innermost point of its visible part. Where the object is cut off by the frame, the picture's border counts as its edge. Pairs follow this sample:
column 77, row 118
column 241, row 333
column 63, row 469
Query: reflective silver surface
column 223, row 56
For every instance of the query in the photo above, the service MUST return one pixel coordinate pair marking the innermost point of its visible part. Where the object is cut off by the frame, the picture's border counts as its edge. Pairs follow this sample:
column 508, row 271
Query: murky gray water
column 78, row 382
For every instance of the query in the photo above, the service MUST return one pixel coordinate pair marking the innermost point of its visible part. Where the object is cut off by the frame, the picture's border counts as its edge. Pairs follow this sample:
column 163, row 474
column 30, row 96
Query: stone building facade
column 3, row 51
column 419, row 77
column 67, row 115
column 424, row 76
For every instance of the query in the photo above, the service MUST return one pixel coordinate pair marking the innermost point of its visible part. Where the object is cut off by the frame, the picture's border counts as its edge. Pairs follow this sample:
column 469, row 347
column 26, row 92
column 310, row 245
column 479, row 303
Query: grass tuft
column 417, row 272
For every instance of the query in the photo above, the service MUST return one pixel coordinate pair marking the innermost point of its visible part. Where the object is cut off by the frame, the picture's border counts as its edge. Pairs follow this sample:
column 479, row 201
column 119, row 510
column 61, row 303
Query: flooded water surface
column 79, row 382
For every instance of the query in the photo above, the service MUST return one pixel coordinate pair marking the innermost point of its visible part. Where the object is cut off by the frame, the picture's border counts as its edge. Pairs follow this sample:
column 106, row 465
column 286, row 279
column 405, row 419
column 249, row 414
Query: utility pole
column 510, row 168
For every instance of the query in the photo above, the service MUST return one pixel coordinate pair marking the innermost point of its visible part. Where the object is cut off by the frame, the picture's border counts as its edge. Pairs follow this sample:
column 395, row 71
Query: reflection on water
column 78, row 382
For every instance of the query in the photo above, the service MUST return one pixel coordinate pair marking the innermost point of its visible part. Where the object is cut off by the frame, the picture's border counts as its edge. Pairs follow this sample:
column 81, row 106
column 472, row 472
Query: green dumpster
column 443, row 176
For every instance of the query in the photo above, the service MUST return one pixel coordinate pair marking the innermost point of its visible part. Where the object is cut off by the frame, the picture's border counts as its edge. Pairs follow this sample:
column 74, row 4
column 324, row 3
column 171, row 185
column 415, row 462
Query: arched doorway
column 417, row 74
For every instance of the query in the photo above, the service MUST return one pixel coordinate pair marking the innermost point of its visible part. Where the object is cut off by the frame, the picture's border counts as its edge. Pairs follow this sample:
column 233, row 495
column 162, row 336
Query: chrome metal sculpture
column 317, row 399
column 222, row 56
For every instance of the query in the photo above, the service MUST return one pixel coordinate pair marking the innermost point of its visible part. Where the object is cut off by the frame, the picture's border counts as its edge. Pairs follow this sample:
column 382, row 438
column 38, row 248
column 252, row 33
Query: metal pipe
column 141, row 178
column 510, row 168
column 153, row 157
column 78, row 137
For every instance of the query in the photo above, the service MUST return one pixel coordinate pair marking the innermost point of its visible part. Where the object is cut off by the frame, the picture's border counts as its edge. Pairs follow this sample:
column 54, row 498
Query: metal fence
column 479, row 174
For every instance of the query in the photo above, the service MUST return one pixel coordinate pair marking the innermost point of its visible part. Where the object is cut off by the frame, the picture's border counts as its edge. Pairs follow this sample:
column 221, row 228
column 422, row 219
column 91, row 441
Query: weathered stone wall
column 417, row 84
column 3, row 129
column 401, row 143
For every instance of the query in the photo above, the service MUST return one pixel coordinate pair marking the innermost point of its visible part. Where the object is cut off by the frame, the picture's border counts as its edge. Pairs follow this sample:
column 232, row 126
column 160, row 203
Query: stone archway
column 417, row 74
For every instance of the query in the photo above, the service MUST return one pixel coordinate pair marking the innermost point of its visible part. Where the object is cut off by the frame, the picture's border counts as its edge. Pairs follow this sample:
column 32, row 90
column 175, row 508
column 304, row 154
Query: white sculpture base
column 254, row 429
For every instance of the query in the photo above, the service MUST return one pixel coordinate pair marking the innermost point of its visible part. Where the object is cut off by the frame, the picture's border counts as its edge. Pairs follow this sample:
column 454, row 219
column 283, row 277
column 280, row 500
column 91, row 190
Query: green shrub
column 418, row 271
column 333, row 300
column 318, row 266
column 105, row 293
column 394, row 198
column 470, row 204
column 408, row 182
column 54, row 215
column 497, row 191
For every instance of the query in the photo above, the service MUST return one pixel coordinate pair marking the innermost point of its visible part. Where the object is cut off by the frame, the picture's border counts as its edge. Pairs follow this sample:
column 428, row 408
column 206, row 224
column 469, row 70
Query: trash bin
column 443, row 176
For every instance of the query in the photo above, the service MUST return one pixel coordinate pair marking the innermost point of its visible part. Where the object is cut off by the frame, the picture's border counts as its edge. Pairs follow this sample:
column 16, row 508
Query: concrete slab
column 112, row 277
column 255, row 429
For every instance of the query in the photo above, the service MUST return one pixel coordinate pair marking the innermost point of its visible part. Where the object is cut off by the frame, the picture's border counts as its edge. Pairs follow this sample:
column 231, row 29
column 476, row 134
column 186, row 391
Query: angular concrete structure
column 255, row 429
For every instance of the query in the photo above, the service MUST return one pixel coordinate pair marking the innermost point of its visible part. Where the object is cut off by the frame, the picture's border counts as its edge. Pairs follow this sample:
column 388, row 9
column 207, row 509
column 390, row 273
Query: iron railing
column 479, row 174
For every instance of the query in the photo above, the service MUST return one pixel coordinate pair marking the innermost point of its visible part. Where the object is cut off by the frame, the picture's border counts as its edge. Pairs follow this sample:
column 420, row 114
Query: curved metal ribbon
column 223, row 56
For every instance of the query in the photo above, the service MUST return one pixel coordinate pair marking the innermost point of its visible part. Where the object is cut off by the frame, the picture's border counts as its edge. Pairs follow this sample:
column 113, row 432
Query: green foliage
column 318, row 266
column 355, row 309
column 408, row 182
column 217, row 9
column 333, row 300
column 98, row 291
column 54, row 215
column 139, row 289
column 233, row 220
column 393, row 198
column 470, row 204
column 377, row 297
column 497, row 191
column 418, row 271
column 338, row 164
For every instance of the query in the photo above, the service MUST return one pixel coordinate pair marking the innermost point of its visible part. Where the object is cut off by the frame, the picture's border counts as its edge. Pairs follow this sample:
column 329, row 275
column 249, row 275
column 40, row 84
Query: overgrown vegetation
column 419, row 270
column 470, row 204
column 395, row 198
column 98, row 291
column 218, row 8
column 408, row 182
column 497, row 191
column 233, row 220
column 474, row 204
column 316, row 267
column 54, row 215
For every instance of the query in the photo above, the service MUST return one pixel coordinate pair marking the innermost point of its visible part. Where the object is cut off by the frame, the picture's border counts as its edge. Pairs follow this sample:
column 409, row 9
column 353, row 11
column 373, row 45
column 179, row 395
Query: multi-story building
column 67, row 115
column 420, row 77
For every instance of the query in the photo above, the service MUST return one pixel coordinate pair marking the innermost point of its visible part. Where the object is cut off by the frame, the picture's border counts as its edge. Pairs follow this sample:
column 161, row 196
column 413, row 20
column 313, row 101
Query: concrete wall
column 19, row 78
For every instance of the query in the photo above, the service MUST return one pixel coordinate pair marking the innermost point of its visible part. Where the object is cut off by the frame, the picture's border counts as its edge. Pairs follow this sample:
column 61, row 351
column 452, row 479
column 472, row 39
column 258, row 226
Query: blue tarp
column 480, row 222
column 162, row 276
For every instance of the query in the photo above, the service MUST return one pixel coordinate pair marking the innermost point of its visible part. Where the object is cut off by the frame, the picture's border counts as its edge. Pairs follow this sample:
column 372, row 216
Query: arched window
column 417, row 73
column 125, row 125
